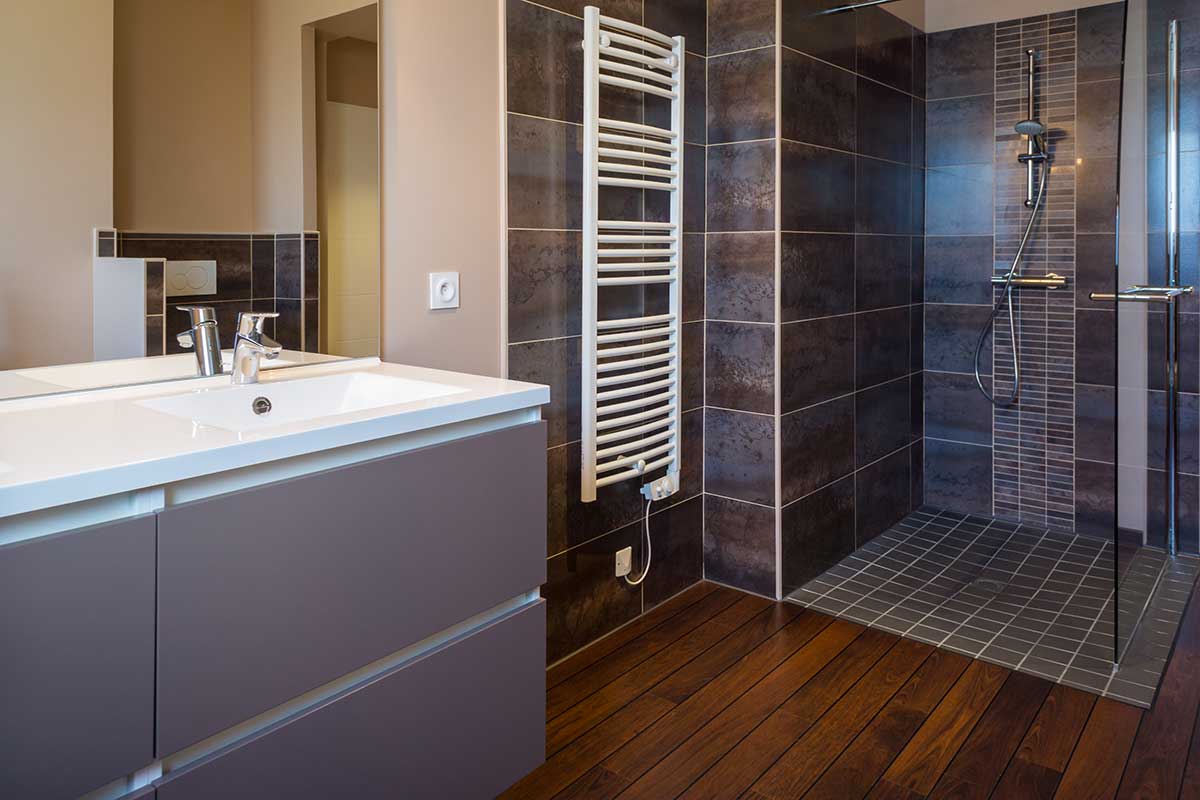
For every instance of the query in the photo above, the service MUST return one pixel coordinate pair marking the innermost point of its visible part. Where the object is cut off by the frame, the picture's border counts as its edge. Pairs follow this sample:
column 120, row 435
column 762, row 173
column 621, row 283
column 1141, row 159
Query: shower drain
column 989, row 585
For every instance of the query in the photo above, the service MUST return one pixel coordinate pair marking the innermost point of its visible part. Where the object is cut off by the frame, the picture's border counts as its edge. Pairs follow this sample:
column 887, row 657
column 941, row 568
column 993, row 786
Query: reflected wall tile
column 880, row 354
column 262, row 266
column 1189, row 345
column 740, row 366
column 881, row 272
column 1095, row 195
column 832, row 207
column 677, row 539
column 1098, row 121
column 1095, row 266
column 1100, row 42
column 963, row 130
column 583, row 600
column 817, row 446
column 154, row 335
column 883, row 197
column 739, row 455
column 817, row 275
column 741, row 187
column 287, row 326
column 882, row 495
column 818, row 532
column 1095, row 343
column 741, row 96
column 884, row 47
column 686, row 18
column 1156, row 111
column 960, row 62
column 885, row 122
column 569, row 521
column 741, row 277
column 231, row 252
column 556, row 363
column 958, row 269
column 1095, row 498
column 817, row 361
column 287, row 267
column 956, row 410
column 1156, row 263
column 740, row 25
column 958, row 476
column 312, row 326
column 1188, row 519
column 1188, row 434
column 739, row 545
column 882, row 421
column 818, row 102
column 951, row 334
column 1095, row 422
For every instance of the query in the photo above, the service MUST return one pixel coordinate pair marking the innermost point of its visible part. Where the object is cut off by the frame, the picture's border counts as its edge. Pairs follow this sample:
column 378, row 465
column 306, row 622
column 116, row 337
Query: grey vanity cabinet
column 267, row 593
column 77, row 660
column 464, row 721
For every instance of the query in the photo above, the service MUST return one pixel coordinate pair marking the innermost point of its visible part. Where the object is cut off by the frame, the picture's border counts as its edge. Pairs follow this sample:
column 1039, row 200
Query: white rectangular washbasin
column 240, row 408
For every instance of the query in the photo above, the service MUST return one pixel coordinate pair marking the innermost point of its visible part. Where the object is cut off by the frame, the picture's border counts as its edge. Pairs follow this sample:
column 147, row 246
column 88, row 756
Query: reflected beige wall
column 941, row 15
column 440, row 98
column 56, row 150
column 183, row 135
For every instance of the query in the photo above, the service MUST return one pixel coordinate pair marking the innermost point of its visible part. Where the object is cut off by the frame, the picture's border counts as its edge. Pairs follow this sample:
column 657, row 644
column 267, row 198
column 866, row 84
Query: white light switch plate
column 443, row 290
column 190, row 277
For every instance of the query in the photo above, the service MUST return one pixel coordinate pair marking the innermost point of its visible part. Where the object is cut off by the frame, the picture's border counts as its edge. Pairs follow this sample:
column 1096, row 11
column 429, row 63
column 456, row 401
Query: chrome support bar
column 1029, row 160
column 1143, row 294
column 1047, row 281
column 1172, row 365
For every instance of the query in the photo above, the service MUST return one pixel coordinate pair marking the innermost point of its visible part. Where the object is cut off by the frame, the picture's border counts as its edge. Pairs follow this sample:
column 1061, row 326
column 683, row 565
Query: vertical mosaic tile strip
column 1033, row 476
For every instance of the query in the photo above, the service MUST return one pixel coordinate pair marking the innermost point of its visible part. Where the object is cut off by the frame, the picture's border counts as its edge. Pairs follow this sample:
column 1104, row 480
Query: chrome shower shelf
column 1143, row 294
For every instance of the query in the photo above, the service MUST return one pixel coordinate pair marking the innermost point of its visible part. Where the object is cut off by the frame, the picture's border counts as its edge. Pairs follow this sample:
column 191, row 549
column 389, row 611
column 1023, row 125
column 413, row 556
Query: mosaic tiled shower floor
column 1027, row 598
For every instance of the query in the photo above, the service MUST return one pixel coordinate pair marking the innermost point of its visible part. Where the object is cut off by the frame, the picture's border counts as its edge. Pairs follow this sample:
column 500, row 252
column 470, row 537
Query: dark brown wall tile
column 817, row 446
column 628, row 10
column 883, row 197
column 817, row 362
column 963, row 130
column 885, row 125
column 741, row 96
column 882, row 496
column 831, row 209
column 879, row 353
column 312, row 266
column 885, row 50
column 958, row 476
column 287, row 326
column 818, row 532
column 817, row 103
column 817, row 275
column 686, row 18
column 958, row 269
column 956, row 410
column 571, row 522
column 555, row 363
column 960, row 62
column 154, row 335
column 287, row 267
column 232, row 255
column 740, row 25
column 882, row 421
column 312, row 326
column 739, row 545
column 677, row 541
column 951, row 333
column 1100, row 42
column 741, row 277
column 882, row 276
column 739, row 455
column 740, row 366
column 262, row 263
column 155, row 292
column 827, row 37
column 958, row 200
column 741, row 187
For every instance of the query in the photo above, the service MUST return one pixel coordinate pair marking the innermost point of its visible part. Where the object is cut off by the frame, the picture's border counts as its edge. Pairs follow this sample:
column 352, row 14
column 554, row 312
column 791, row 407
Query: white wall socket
column 624, row 561
column 443, row 290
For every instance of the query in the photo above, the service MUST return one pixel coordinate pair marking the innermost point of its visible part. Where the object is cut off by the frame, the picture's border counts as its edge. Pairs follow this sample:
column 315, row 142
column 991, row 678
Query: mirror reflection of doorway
column 345, row 124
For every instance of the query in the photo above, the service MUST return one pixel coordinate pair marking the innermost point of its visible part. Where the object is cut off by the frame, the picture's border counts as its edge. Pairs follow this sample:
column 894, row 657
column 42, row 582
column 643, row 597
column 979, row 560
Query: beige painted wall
column 278, row 156
column 183, row 135
column 440, row 97
column 56, row 150
column 941, row 15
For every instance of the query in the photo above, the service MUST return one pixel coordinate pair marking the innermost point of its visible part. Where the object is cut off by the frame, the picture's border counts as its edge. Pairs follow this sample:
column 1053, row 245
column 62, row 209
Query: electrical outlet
column 662, row 488
column 624, row 561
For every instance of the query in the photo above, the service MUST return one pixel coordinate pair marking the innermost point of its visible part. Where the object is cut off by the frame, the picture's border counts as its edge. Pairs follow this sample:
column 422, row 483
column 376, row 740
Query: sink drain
column 261, row 405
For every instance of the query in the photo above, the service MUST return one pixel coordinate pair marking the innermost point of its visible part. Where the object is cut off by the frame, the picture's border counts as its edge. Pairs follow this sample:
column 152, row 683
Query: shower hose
column 1006, row 300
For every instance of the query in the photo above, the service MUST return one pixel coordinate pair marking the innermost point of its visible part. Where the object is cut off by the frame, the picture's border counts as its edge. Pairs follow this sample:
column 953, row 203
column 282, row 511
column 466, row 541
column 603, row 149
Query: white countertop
column 84, row 445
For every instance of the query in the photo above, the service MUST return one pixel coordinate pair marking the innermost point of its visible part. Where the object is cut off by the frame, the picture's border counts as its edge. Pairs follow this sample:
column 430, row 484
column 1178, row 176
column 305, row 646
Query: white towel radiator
column 631, row 366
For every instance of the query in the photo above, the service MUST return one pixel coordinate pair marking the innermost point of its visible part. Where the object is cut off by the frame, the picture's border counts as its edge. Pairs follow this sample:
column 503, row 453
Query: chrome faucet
column 202, row 337
column 251, row 344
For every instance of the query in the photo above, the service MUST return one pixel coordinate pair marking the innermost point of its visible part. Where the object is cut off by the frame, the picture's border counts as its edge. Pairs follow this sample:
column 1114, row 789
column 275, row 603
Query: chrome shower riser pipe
column 1031, row 55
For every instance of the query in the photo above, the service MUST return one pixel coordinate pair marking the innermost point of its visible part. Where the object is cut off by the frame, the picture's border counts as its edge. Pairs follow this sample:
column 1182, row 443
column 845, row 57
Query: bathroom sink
column 242, row 408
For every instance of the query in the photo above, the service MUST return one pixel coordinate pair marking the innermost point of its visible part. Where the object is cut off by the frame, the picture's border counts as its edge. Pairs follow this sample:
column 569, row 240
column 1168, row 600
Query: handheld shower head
column 1036, row 132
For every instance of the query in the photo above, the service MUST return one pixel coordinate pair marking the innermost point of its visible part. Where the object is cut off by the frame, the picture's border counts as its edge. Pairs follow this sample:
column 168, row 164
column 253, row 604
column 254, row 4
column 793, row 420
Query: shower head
column 1031, row 127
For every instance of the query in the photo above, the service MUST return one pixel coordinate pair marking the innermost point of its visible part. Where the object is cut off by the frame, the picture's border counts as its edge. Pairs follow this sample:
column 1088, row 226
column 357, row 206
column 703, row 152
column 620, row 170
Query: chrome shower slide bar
column 631, row 415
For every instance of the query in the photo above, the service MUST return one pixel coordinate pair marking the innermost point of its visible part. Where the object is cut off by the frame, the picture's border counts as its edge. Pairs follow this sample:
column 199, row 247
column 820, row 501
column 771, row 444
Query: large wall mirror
column 213, row 153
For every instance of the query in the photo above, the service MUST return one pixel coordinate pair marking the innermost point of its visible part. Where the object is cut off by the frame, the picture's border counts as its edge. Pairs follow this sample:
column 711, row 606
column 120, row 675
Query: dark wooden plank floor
column 719, row 694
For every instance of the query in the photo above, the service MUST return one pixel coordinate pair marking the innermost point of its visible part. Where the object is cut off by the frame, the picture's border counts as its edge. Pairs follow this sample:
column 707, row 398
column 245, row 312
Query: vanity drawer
column 465, row 721
column 267, row 593
column 77, row 670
